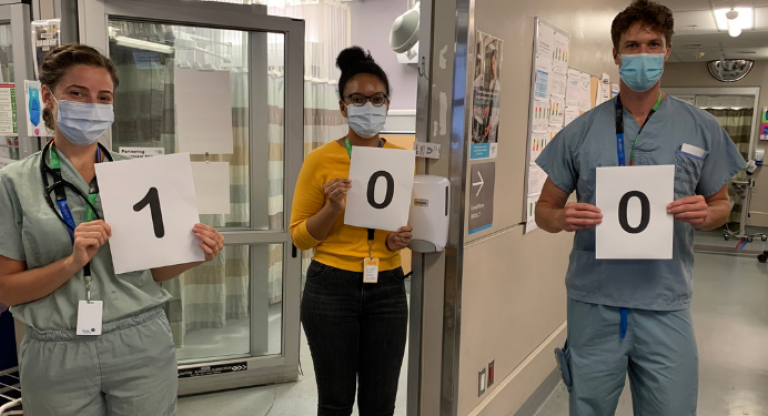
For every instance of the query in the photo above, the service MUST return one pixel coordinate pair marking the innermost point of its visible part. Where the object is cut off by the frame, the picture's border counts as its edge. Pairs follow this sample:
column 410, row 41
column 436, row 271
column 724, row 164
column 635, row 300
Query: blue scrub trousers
column 659, row 352
column 129, row 370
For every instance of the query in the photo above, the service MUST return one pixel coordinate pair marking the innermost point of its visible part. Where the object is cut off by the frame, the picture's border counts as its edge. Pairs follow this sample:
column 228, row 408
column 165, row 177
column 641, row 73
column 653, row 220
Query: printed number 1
column 152, row 198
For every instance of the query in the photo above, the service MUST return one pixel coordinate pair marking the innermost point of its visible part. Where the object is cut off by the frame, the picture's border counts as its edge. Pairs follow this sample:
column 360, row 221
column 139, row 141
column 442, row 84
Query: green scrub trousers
column 129, row 370
column 659, row 352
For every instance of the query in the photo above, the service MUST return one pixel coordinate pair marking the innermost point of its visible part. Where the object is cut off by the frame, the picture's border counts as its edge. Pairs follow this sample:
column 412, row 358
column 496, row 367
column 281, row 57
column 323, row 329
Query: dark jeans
column 356, row 333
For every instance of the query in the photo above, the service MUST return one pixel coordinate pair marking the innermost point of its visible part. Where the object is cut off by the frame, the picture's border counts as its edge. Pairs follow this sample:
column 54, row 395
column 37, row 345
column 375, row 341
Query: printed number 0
column 372, row 189
column 645, row 209
column 152, row 198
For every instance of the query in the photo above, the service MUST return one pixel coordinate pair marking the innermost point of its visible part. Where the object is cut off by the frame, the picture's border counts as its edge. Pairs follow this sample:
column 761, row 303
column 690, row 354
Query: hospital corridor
column 383, row 208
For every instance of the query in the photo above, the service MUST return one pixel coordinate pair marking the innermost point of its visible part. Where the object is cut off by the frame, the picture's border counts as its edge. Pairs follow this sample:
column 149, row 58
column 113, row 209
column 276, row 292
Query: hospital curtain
column 327, row 27
column 208, row 296
column 738, row 125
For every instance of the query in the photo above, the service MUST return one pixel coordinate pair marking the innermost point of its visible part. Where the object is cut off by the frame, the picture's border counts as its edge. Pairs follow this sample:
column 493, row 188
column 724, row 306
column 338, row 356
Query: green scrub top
column 32, row 232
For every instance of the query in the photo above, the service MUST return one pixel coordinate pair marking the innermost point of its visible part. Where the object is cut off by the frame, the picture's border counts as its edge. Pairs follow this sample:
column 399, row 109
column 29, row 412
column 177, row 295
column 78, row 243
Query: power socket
column 481, row 382
column 491, row 373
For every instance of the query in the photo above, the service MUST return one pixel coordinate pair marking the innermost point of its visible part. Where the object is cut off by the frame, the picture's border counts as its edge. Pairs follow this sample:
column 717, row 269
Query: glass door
column 15, row 67
column 223, row 82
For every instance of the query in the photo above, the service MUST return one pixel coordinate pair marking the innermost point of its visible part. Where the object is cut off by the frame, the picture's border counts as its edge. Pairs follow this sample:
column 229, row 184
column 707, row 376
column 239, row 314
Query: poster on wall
column 556, row 98
column 486, row 97
column 46, row 35
column 9, row 125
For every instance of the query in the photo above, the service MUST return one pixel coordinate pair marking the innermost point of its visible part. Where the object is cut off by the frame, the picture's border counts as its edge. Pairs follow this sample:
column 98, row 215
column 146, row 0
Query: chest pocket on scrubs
column 687, row 173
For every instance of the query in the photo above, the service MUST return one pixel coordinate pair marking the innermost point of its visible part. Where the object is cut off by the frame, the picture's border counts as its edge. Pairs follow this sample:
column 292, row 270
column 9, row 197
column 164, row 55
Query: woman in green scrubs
column 54, row 256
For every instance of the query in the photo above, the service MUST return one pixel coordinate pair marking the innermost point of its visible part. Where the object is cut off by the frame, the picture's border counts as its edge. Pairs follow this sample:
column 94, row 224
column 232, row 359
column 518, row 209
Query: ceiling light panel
column 761, row 18
column 746, row 19
column 702, row 20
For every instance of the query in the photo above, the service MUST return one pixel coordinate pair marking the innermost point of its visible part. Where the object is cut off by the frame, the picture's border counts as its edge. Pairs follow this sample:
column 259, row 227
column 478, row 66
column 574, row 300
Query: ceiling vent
column 730, row 70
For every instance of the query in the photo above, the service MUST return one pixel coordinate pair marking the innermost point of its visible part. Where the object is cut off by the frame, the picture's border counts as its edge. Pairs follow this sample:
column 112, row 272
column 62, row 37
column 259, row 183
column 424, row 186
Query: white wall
column 513, row 291
column 371, row 24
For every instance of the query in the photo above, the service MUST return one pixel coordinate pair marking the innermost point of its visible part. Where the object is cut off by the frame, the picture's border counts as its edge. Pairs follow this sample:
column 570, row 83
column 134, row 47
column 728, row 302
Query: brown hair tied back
column 62, row 59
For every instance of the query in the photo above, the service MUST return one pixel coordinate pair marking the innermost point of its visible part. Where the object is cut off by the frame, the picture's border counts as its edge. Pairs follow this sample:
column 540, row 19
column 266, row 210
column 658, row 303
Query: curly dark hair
column 354, row 61
column 60, row 60
column 654, row 15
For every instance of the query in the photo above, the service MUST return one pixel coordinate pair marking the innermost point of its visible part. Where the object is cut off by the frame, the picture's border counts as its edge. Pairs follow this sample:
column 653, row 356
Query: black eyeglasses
column 377, row 99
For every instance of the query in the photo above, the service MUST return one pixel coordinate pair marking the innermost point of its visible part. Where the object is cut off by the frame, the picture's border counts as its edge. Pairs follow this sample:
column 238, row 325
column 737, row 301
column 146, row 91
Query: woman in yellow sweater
column 356, row 331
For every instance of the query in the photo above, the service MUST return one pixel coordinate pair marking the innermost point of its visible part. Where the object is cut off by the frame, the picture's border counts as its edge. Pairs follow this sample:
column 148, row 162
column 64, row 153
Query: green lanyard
column 349, row 146
column 620, row 129
column 56, row 167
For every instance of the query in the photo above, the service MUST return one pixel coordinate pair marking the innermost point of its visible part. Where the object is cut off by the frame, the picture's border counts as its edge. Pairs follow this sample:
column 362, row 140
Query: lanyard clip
column 88, row 280
column 370, row 249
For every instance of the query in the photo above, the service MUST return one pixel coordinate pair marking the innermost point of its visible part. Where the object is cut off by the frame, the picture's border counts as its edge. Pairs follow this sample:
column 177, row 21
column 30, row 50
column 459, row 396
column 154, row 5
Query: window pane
column 153, row 58
column 231, row 307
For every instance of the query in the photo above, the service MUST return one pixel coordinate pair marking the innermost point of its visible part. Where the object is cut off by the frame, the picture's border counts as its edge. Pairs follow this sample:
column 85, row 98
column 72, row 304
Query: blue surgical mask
column 83, row 123
column 367, row 121
column 641, row 71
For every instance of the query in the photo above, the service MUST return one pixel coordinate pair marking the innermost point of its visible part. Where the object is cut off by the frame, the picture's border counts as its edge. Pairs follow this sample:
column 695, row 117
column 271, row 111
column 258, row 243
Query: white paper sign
column 203, row 110
column 151, row 206
column 382, row 187
column 212, row 187
column 634, row 202
column 142, row 152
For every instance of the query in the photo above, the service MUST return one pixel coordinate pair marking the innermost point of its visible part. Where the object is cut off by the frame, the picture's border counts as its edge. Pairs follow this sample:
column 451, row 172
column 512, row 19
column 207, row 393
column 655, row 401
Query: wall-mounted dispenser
column 430, row 213
column 759, row 156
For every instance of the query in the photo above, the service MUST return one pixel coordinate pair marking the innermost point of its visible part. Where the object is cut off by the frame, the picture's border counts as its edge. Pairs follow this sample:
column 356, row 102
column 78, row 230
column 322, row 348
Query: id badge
column 89, row 317
column 371, row 270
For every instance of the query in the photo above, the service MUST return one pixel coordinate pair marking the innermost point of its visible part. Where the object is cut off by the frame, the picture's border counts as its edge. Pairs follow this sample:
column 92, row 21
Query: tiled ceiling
column 698, row 39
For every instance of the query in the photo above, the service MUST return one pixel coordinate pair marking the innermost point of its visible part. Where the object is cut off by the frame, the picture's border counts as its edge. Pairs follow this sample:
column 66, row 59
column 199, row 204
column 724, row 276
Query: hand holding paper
column 693, row 210
column 578, row 217
column 336, row 192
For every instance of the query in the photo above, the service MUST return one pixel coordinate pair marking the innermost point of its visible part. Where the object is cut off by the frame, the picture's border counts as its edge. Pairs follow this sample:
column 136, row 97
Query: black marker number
column 645, row 209
column 153, row 200
column 372, row 189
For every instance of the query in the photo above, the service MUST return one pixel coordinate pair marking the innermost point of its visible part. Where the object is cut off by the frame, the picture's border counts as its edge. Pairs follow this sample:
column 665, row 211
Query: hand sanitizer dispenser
column 430, row 213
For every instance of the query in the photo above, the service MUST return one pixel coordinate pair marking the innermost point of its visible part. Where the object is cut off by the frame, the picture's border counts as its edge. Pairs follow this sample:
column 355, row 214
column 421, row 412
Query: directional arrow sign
column 480, row 184
column 481, row 206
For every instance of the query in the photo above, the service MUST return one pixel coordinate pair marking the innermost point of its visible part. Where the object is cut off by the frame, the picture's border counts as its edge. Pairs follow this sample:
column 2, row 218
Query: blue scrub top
column 589, row 142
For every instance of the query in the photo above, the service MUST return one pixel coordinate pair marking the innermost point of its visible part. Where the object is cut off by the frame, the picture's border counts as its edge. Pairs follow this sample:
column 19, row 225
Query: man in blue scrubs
column 633, row 316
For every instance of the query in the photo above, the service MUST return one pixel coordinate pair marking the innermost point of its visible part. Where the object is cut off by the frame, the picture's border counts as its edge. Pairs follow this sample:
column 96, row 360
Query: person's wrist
column 70, row 265
column 335, row 209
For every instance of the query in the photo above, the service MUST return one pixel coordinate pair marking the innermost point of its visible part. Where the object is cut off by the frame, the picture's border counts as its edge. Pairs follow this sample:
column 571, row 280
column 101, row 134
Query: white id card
column 371, row 270
column 89, row 317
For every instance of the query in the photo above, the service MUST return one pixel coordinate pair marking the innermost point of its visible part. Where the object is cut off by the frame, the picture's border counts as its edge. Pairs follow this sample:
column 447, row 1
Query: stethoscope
column 59, row 187
column 59, row 184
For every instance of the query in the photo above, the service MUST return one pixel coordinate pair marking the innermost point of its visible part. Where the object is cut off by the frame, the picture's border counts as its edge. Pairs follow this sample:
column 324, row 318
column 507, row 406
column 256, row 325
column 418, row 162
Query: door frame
column 20, row 17
column 93, row 23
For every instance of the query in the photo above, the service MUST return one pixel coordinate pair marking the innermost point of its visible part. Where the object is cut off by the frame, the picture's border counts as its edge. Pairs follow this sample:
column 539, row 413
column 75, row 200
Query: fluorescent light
column 734, row 30
column 746, row 19
column 143, row 44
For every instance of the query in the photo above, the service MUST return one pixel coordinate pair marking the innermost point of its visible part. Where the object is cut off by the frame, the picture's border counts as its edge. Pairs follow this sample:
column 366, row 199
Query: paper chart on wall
column 606, row 87
column 553, row 132
column 560, row 54
column 585, row 99
column 530, row 224
column 540, row 116
column 545, row 46
column 572, row 89
column 558, row 85
column 571, row 114
column 538, row 142
column 536, row 179
column 556, row 113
